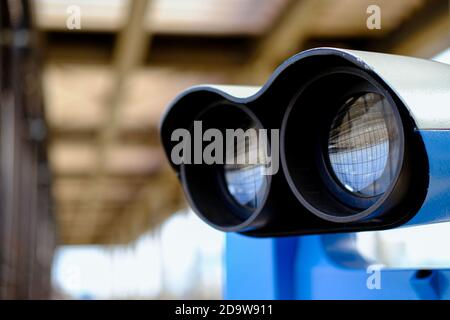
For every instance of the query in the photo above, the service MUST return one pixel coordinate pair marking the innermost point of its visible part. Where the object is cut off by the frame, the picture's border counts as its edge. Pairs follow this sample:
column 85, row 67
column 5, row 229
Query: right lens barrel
column 344, row 147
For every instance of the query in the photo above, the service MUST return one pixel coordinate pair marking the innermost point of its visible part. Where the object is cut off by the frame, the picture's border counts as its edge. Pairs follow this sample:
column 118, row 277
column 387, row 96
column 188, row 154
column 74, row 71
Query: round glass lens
column 244, row 169
column 364, row 145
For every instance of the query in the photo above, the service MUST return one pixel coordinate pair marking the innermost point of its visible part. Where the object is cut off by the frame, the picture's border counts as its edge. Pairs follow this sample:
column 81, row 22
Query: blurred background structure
column 107, row 70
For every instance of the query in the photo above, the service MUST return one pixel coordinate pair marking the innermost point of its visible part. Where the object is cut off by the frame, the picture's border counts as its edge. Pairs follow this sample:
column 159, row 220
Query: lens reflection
column 244, row 170
column 363, row 145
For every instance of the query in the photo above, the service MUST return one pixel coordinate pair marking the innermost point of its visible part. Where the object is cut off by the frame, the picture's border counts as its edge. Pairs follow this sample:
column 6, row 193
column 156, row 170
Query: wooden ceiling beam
column 284, row 39
column 424, row 34
column 154, row 202
column 130, row 49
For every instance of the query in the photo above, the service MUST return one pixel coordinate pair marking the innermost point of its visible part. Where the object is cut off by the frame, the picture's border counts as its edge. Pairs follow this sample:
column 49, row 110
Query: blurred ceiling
column 107, row 84
column 213, row 17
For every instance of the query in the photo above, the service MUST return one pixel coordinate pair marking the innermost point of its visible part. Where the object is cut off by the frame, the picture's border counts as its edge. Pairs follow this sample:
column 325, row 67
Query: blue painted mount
column 319, row 267
column 436, row 207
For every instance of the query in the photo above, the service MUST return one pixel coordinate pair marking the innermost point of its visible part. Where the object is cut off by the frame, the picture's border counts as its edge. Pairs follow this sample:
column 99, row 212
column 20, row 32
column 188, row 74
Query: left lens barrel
column 228, row 182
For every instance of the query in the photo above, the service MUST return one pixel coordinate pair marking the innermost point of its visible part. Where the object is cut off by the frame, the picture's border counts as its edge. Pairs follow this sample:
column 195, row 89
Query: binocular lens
column 363, row 145
column 244, row 171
